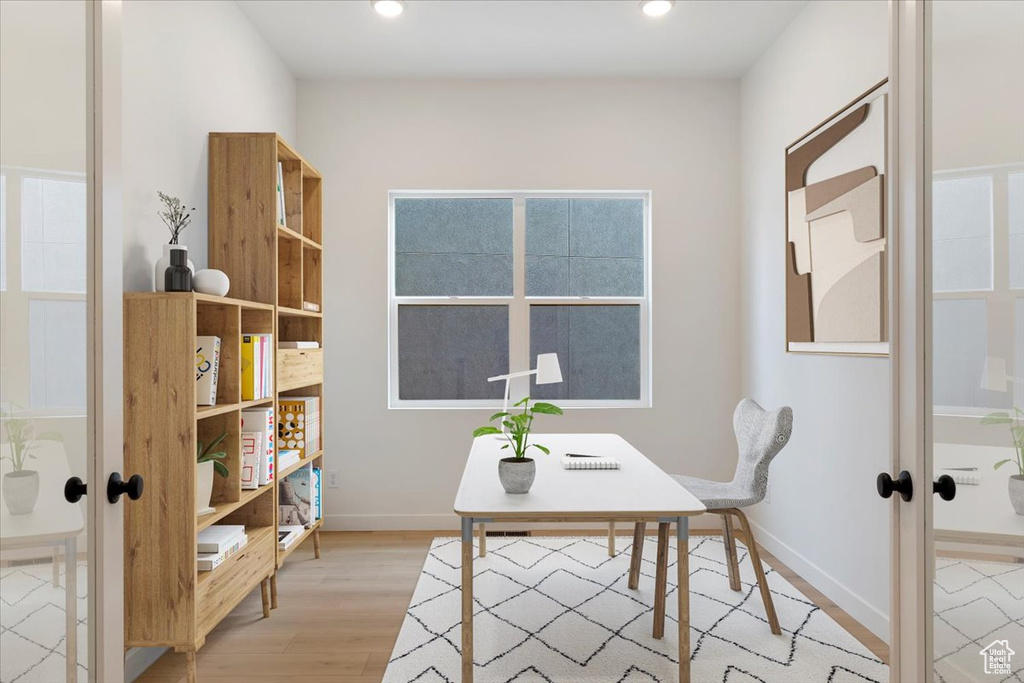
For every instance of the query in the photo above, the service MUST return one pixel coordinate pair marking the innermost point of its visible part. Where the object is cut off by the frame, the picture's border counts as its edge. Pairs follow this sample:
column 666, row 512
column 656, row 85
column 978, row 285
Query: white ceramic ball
column 211, row 281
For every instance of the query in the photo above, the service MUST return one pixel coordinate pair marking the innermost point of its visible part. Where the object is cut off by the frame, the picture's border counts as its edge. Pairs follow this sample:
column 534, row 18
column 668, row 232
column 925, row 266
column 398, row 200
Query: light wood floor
column 338, row 617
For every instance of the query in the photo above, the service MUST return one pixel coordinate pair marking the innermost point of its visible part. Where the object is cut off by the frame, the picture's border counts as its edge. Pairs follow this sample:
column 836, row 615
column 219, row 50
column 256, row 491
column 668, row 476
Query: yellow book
column 248, row 367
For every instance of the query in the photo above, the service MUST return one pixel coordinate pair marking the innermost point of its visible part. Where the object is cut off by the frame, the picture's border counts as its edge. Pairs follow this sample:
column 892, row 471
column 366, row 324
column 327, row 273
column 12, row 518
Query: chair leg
column 661, row 581
column 730, row 553
column 762, row 582
column 636, row 554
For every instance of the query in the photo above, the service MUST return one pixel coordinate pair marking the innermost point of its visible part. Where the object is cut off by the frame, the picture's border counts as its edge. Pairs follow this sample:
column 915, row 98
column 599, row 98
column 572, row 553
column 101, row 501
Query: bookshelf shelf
column 297, row 313
column 257, row 403
column 213, row 411
column 282, row 555
column 305, row 461
column 222, row 510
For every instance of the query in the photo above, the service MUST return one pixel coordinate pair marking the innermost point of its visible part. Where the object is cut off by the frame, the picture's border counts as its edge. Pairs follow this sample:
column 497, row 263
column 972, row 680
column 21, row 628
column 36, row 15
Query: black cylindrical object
column 177, row 277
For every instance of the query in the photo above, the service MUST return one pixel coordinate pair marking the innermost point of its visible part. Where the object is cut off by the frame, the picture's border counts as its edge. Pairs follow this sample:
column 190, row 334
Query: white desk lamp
column 548, row 372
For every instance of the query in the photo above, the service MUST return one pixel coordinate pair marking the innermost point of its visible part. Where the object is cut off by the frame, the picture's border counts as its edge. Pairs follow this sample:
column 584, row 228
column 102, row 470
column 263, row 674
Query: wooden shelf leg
column 483, row 539
column 273, row 591
column 190, row 666
column 611, row 539
column 265, row 594
column 316, row 543
column 661, row 581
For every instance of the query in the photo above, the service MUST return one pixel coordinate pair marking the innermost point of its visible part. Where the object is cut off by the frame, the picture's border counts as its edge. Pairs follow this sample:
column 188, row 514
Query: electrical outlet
column 333, row 479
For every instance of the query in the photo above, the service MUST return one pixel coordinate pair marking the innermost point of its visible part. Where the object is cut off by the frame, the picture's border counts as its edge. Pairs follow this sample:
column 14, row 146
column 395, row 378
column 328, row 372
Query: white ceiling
column 519, row 38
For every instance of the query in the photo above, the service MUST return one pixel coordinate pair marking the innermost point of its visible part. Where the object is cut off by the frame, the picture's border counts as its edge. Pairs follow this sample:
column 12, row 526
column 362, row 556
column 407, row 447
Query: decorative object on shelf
column 208, row 461
column 207, row 369
column 836, row 244
column 211, row 281
column 176, row 217
column 178, row 276
column 518, row 472
column 1016, row 482
column 20, row 486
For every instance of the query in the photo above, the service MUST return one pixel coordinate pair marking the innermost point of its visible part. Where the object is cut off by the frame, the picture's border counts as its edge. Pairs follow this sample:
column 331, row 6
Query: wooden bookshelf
column 277, row 265
column 167, row 601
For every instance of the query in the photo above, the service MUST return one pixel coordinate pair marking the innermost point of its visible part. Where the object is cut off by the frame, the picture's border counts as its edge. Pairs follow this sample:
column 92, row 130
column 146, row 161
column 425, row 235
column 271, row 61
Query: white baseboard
column 138, row 659
column 876, row 621
column 450, row 522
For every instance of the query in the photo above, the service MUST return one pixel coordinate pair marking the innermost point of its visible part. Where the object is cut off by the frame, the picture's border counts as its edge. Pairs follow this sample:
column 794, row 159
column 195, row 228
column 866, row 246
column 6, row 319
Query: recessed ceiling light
column 656, row 8
column 388, row 8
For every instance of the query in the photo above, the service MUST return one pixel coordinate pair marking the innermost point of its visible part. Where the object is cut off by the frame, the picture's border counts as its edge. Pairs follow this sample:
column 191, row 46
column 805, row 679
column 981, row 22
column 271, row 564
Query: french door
column 61, row 547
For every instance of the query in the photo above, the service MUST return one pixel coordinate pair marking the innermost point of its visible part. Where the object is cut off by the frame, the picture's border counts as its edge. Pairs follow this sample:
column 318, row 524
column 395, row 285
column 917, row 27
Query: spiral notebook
column 589, row 463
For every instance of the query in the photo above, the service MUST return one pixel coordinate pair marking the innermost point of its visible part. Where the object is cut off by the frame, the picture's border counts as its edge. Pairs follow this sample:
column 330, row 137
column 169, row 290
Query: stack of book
column 280, row 195
column 257, row 447
column 207, row 369
column 219, row 542
column 288, row 534
column 298, row 423
column 257, row 366
column 299, row 497
column 287, row 458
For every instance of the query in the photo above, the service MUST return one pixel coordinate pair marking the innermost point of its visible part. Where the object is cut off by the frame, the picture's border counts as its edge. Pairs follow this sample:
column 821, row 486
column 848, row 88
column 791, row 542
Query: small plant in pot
column 1016, row 483
column 20, row 485
column 208, row 461
column 518, row 472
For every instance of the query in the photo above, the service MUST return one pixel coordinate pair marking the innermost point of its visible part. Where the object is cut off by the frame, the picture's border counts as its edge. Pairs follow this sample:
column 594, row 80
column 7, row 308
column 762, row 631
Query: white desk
column 639, row 491
column 53, row 521
column 979, row 514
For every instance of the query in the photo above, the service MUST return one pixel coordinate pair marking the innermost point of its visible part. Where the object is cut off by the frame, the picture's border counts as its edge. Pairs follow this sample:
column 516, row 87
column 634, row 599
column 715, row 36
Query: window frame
column 1000, row 294
column 519, row 304
column 17, row 301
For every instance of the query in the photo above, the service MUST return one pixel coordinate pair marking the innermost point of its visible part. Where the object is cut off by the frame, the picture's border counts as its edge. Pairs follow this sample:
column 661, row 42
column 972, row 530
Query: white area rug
column 557, row 609
column 32, row 625
column 977, row 603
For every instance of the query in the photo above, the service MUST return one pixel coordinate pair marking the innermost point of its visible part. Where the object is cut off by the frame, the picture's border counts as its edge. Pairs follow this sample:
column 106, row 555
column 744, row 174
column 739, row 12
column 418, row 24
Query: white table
column 979, row 514
column 53, row 521
column 639, row 491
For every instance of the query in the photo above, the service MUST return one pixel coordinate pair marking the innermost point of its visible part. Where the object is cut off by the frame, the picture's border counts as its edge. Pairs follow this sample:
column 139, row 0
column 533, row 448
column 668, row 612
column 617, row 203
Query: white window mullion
column 519, row 312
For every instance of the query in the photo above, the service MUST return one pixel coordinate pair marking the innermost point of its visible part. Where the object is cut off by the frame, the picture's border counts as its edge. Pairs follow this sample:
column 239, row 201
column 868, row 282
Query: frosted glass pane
column 1016, row 219
column 448, row 352
column 962, row 265
column 960, row 344
column 606, row 276
column 547, row 227
column 547, row 275
column 453, row 275
column 3, row 233
column 606, row 227
column 598, row 348
column 53, row 226
column 33, row 274
column 57, row 369
column 962, row 234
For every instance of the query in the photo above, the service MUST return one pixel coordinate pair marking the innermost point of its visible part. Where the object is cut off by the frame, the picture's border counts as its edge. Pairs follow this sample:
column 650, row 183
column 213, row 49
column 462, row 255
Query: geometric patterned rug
column 977, row 603
column 32, row 627
column 557, row 609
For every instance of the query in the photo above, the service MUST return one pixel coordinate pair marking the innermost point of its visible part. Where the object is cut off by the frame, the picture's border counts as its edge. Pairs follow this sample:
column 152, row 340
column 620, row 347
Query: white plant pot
column 164, row 262
column 1016, row 490
column 21, row 490
column 204, row 486
column 211, row 281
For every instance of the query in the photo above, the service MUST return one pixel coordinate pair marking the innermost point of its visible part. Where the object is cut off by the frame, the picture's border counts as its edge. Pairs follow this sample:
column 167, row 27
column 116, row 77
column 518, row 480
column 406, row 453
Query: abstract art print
column 836, row 241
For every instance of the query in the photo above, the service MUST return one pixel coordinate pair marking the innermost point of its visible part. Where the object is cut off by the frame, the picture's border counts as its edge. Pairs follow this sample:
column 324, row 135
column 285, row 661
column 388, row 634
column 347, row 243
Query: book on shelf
column 288, row 534
column 257, row 366
column 261, row 420
column 287, row 458
column 298, row 423
column 298, row 345
column 318, row 501
column 207, row 369
column 310, row 306
column 296, row 499
column 219, row 537
column 252, row 458
column 589, row 463
column 207, row 562
column 280, row 195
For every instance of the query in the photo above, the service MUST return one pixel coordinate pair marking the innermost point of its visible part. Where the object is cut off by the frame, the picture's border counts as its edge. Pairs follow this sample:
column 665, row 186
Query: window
column 482, row 283
column 977, row 278
column 43, row 252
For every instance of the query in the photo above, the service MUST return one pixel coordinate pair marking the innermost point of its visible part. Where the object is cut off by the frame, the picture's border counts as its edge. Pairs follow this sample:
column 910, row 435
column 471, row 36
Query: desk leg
column 683, row 594
column 611, row 539
column 661, row 581
column 71, row 608
column 467, row 600
column 483, row 540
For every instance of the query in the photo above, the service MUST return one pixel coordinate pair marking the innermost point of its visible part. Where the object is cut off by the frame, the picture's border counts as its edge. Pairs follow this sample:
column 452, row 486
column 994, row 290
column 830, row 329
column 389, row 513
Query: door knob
column 116, row 486
column 903, row 485
column 74, row 489
column 945, row 486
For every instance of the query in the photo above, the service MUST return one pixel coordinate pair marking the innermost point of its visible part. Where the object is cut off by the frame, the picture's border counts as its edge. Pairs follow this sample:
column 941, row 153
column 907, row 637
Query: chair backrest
column 760, row 435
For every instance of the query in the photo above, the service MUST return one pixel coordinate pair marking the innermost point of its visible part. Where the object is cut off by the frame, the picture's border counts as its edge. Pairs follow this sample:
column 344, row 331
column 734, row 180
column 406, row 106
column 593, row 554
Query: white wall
column 190, row 68
column 824, row 519
column 400, row 468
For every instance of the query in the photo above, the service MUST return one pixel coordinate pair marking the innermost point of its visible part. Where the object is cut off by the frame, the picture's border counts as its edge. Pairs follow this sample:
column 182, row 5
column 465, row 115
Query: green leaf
column 481, row 431
column 216, row 442
column 199, row 449
column 504, row 447
column 521, row 402
column 541, row 448
column 496, row 416
column 217, row 456
column 547, row 409
column 1001, row 463
column 1000, row 418
column 220, row 468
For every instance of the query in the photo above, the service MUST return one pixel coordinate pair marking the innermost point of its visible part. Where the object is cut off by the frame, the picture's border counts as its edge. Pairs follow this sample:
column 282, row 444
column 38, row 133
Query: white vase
column 1016, row 490
column 21, row 490
column 164, row 262
column 204, row 486
column 211, row 281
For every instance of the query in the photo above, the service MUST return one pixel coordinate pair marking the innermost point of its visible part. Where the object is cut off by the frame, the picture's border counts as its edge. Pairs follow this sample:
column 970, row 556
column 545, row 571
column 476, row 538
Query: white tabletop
column 640, row 489
column 53, row 518
column 977, row 510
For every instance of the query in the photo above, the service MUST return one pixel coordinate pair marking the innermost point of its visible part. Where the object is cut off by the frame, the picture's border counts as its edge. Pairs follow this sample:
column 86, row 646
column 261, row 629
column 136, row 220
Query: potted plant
column 20, row 486
column 208, row 461
column 176, row 217
column 517, row 472
column 1016, row 482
